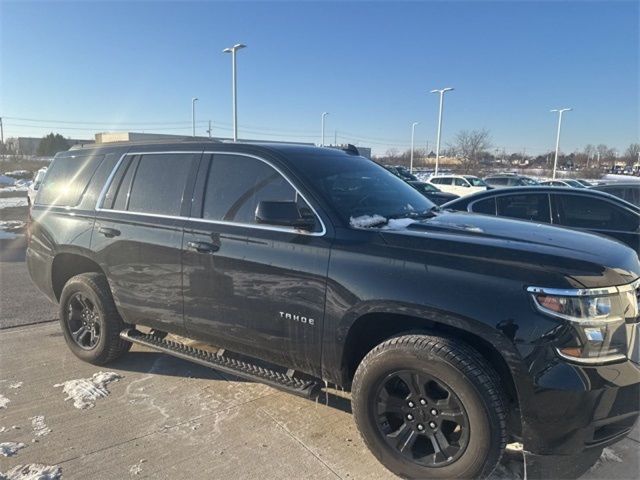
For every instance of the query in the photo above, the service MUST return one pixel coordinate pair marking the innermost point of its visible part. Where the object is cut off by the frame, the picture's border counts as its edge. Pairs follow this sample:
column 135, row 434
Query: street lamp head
column 560, row 110
column 194, row 99
column 441, row 91
column 237, row 46
column 325, row 113
column 415, row 123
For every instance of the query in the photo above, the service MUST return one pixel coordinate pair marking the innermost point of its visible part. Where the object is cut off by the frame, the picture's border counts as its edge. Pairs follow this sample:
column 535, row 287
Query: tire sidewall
column 76, row 285
column 482, row 435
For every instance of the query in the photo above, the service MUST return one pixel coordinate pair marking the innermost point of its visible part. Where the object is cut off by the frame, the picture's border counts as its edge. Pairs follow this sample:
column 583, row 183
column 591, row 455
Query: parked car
column 509, row 180
column 35, row 185
column 459, row 184
column 432, row 192
column 567, row 182
column 584, row 209
column 627, row 191
column 302, row 266
column 586, row 183
column 402, row 172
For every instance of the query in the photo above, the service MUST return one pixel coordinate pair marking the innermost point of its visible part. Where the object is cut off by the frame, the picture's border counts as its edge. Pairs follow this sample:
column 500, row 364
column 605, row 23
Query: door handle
column 109, row 232
column 203, row 247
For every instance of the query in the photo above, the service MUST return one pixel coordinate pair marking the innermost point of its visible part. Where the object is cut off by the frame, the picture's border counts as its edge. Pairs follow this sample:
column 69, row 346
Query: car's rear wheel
column 90, row 322
column 430, row 408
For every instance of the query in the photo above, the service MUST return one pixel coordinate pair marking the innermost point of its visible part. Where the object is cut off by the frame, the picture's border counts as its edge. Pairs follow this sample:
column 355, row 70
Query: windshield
column 360, row 187
column 476, row 182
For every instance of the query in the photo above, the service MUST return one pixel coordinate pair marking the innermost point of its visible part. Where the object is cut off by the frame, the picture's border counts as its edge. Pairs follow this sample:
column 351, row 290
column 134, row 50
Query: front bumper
column 574, row 408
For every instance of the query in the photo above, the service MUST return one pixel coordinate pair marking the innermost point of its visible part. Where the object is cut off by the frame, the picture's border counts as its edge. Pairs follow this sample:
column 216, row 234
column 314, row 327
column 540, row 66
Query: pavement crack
column 286, row 430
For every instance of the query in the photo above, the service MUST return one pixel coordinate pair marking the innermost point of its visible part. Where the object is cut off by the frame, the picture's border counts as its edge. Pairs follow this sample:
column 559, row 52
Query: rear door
column 138, row 235
column 530, row 206
column 597, row 215
column 255, row 289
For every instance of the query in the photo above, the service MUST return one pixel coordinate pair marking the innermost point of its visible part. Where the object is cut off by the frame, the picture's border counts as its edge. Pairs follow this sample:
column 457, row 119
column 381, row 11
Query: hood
column 560, row 257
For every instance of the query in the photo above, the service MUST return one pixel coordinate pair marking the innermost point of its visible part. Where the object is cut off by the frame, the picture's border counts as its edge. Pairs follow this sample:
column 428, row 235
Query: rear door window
column 534, row 207
column 159, row 182
column 593, row 213
column 487, row 206
column 67, row 179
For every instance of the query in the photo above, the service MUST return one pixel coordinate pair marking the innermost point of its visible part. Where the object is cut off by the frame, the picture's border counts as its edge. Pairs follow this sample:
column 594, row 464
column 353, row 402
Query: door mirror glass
column 284, row 214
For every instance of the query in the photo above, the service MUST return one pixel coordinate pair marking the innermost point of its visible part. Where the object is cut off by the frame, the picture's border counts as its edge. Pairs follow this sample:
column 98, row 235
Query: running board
column 239, row 368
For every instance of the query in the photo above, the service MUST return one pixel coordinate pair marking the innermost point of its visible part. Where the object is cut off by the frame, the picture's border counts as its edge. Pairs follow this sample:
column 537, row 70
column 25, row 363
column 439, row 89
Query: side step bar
column 239, row 368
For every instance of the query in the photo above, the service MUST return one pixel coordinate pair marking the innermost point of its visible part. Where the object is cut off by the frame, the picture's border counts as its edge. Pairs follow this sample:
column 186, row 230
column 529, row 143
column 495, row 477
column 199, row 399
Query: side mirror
column 284, row 214
column 36, row 185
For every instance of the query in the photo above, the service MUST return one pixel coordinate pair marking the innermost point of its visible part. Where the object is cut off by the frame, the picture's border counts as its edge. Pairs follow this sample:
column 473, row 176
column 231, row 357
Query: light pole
column 193, row 116
column 232, row 51
column 413, row 132
column 324, row 114
column 441, row 92
column 560, row 112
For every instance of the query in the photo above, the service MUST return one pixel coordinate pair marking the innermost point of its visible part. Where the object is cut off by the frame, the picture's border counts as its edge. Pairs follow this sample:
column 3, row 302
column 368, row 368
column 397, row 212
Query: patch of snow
column 608, row 455
column 367, row 221
column 3, row 429
column 4, row 401
column 8, row 449
column 84, row 391
column 15, row 385
column 40, row 428
column 13, row 202
column 137, row 468
column 33, row 471
column 398, row 223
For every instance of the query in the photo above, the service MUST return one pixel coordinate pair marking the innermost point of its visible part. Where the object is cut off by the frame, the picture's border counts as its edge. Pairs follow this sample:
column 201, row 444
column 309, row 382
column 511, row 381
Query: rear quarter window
column 67, row 179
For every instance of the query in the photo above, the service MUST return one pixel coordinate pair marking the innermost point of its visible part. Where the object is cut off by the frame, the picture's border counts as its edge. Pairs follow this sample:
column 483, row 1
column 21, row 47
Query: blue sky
column 135, row 66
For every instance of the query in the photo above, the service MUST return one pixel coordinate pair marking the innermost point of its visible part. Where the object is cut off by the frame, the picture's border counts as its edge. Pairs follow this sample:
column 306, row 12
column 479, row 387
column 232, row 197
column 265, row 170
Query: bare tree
column 469, row 146
column 633, row 154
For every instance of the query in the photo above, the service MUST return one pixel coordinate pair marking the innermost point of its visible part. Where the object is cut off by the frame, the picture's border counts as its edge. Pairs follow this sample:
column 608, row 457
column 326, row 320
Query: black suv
column 293, row 265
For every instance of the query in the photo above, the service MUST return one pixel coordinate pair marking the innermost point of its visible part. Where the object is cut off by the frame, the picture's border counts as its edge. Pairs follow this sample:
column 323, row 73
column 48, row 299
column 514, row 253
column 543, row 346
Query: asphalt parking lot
column 160, row 417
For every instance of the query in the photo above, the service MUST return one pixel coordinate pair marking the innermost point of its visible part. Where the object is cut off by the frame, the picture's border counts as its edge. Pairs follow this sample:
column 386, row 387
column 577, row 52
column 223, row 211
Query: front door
column 138, row 234
column 252, row 288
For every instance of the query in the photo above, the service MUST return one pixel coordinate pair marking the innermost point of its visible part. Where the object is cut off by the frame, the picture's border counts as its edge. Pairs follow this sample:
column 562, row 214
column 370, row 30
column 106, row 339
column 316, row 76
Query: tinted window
column 67, row 179
column 497, row 181
column 459, row 182
column 159, row 183
column 121, row 188
column 594, row 213
column 441, row 181
column 533, row 207
column 629, row 193
column 237, row 184
column 487, row 206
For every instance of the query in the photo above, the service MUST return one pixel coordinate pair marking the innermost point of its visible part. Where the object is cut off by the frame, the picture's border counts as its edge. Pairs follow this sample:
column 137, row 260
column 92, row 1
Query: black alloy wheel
column 83, row 321
column 421, row 418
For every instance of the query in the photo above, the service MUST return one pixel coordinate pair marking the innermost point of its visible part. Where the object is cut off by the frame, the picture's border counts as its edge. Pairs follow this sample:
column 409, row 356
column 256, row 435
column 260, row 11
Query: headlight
column 598, row 318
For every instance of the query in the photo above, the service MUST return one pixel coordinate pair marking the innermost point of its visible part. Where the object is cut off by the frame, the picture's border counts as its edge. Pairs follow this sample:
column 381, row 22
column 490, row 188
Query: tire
column 105, row 344
column 430, row 407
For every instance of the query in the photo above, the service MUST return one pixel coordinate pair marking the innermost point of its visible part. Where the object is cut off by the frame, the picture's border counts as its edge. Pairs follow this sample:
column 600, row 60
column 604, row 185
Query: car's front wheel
column 428, row 407
column 90, row 321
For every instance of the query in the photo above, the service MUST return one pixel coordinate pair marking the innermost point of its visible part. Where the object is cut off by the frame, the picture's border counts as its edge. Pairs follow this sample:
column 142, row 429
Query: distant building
column 29, row 145
column 110, row 137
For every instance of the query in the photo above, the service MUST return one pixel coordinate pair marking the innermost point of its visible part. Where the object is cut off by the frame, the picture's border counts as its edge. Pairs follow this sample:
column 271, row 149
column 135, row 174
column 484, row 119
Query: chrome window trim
column 107, row 184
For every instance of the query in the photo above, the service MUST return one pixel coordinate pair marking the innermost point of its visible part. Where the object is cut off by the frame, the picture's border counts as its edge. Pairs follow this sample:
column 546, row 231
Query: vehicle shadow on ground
column 158, row 363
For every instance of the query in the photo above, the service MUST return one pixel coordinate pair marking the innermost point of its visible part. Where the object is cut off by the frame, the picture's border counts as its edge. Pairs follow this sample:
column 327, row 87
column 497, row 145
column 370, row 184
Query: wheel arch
column 66, row 265
column 372, row 328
